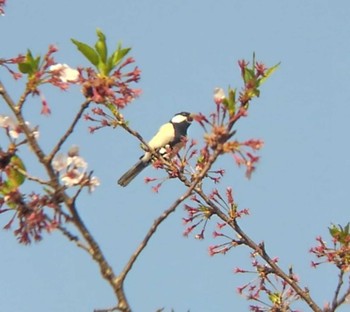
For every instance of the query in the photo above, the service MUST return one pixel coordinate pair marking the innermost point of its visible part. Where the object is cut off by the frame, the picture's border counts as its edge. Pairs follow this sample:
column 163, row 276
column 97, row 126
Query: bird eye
column 190, row 118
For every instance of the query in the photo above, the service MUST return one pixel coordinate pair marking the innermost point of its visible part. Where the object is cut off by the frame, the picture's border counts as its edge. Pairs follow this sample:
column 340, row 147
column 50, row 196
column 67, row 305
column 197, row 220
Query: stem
column 69, row 131
column 336, row 300
column 337, row 290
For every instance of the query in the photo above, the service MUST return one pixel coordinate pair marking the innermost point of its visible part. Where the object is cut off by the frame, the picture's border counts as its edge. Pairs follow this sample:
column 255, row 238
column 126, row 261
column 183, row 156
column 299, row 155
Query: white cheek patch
column 178, row 119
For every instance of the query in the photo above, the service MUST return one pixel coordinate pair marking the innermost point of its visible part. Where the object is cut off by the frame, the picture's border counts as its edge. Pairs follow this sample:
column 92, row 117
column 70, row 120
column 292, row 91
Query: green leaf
column 112, row 108
column 29, row 57
column 340, row 234
column 333, row 230
column 117, row 56
column 101, row 46
column 268, row 73
column 15, row 173
column 5, row 189
column 275, row 298
column 88, row 52
column 230, row 101
column 36, row 63
column 248, row 74
column 25, row 68
column 30, row 65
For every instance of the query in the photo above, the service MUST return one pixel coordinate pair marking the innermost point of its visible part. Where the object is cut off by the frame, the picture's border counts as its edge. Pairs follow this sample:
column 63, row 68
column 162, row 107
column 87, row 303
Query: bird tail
column 128, row 176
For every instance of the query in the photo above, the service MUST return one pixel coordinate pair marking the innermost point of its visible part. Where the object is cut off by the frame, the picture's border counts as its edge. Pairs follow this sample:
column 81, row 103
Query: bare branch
column 108, row 309
column 6, row 96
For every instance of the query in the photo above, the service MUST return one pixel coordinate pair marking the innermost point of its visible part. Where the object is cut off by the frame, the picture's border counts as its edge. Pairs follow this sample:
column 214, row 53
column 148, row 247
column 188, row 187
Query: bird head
column 183, row 117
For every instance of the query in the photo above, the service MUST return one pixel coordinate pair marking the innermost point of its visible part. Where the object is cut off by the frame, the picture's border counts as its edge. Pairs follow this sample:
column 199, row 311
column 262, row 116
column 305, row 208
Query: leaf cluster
column 98, row 55
column 30, row 65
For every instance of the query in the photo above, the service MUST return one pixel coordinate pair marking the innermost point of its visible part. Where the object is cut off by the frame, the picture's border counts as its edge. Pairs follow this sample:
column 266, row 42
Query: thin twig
column 69, row 131
column 343, row 298
column 164, row 215
column 107, row 310
column 337, row 290
column 23, row 98
column 29, row 177
column 71, row 237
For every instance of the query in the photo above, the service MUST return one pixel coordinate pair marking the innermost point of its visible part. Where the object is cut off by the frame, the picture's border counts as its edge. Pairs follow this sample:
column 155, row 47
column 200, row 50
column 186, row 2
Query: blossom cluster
column 337, row 254
column 6, row 63
column 13, row 129
column 218, row 132
column 199, row 214
column 114, row 89
column 72, row 169
column 41, row 71
column 269, row 291
column 32, row 214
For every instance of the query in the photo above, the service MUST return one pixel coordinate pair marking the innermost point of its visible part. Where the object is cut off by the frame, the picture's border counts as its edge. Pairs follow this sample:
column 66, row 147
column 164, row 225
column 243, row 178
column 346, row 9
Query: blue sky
column 185, row 49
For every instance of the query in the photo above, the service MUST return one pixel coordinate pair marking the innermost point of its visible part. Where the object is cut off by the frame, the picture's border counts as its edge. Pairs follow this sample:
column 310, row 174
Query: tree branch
column 337, row 290
column 336, row 300
column 93, row 248
column 69, row 131
column 161, row 218
column 260, row 249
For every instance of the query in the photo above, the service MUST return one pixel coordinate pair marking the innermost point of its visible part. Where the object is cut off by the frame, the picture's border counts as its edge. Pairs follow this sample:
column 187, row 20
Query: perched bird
column 168, row 136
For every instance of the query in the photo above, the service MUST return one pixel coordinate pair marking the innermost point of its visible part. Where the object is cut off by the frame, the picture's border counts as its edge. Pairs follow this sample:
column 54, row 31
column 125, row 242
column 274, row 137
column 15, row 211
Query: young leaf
column 340, row 234
column 29, row 57
column 101, row 46
column 275, row 298
column 248, row 74
column 87, row 51
column 117, row 56
column 230, row 101
column 15, row 172
column 25, row 68
column 268, row 73
column 36, row 62
column 30, row 65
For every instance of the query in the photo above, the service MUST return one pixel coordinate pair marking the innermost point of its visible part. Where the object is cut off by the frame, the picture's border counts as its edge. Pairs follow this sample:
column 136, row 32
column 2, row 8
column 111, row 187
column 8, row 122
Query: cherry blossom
column 65, row 73
column 219, row 95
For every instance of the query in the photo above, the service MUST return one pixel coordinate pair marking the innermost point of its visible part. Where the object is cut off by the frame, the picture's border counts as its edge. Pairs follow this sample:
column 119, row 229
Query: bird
column 169, row 135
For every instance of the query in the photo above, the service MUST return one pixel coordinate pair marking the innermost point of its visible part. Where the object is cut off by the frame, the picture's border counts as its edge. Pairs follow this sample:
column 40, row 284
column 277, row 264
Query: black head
column 182, row 117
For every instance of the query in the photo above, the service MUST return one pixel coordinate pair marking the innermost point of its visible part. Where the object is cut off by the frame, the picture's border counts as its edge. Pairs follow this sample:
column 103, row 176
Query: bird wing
column 165, row 135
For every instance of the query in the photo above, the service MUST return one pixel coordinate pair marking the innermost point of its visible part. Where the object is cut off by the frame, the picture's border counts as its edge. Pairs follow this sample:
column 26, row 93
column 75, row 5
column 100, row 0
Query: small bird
column 169, row 135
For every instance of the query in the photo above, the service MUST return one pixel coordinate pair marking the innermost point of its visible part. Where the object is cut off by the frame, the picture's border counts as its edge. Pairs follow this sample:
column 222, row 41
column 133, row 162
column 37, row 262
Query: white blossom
column 13, row 128
column 94, row 181
column 60, row 162
column 77, row 162
column 73, row 170
column 219, row 95
column 72, row 177
column 66, row 73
